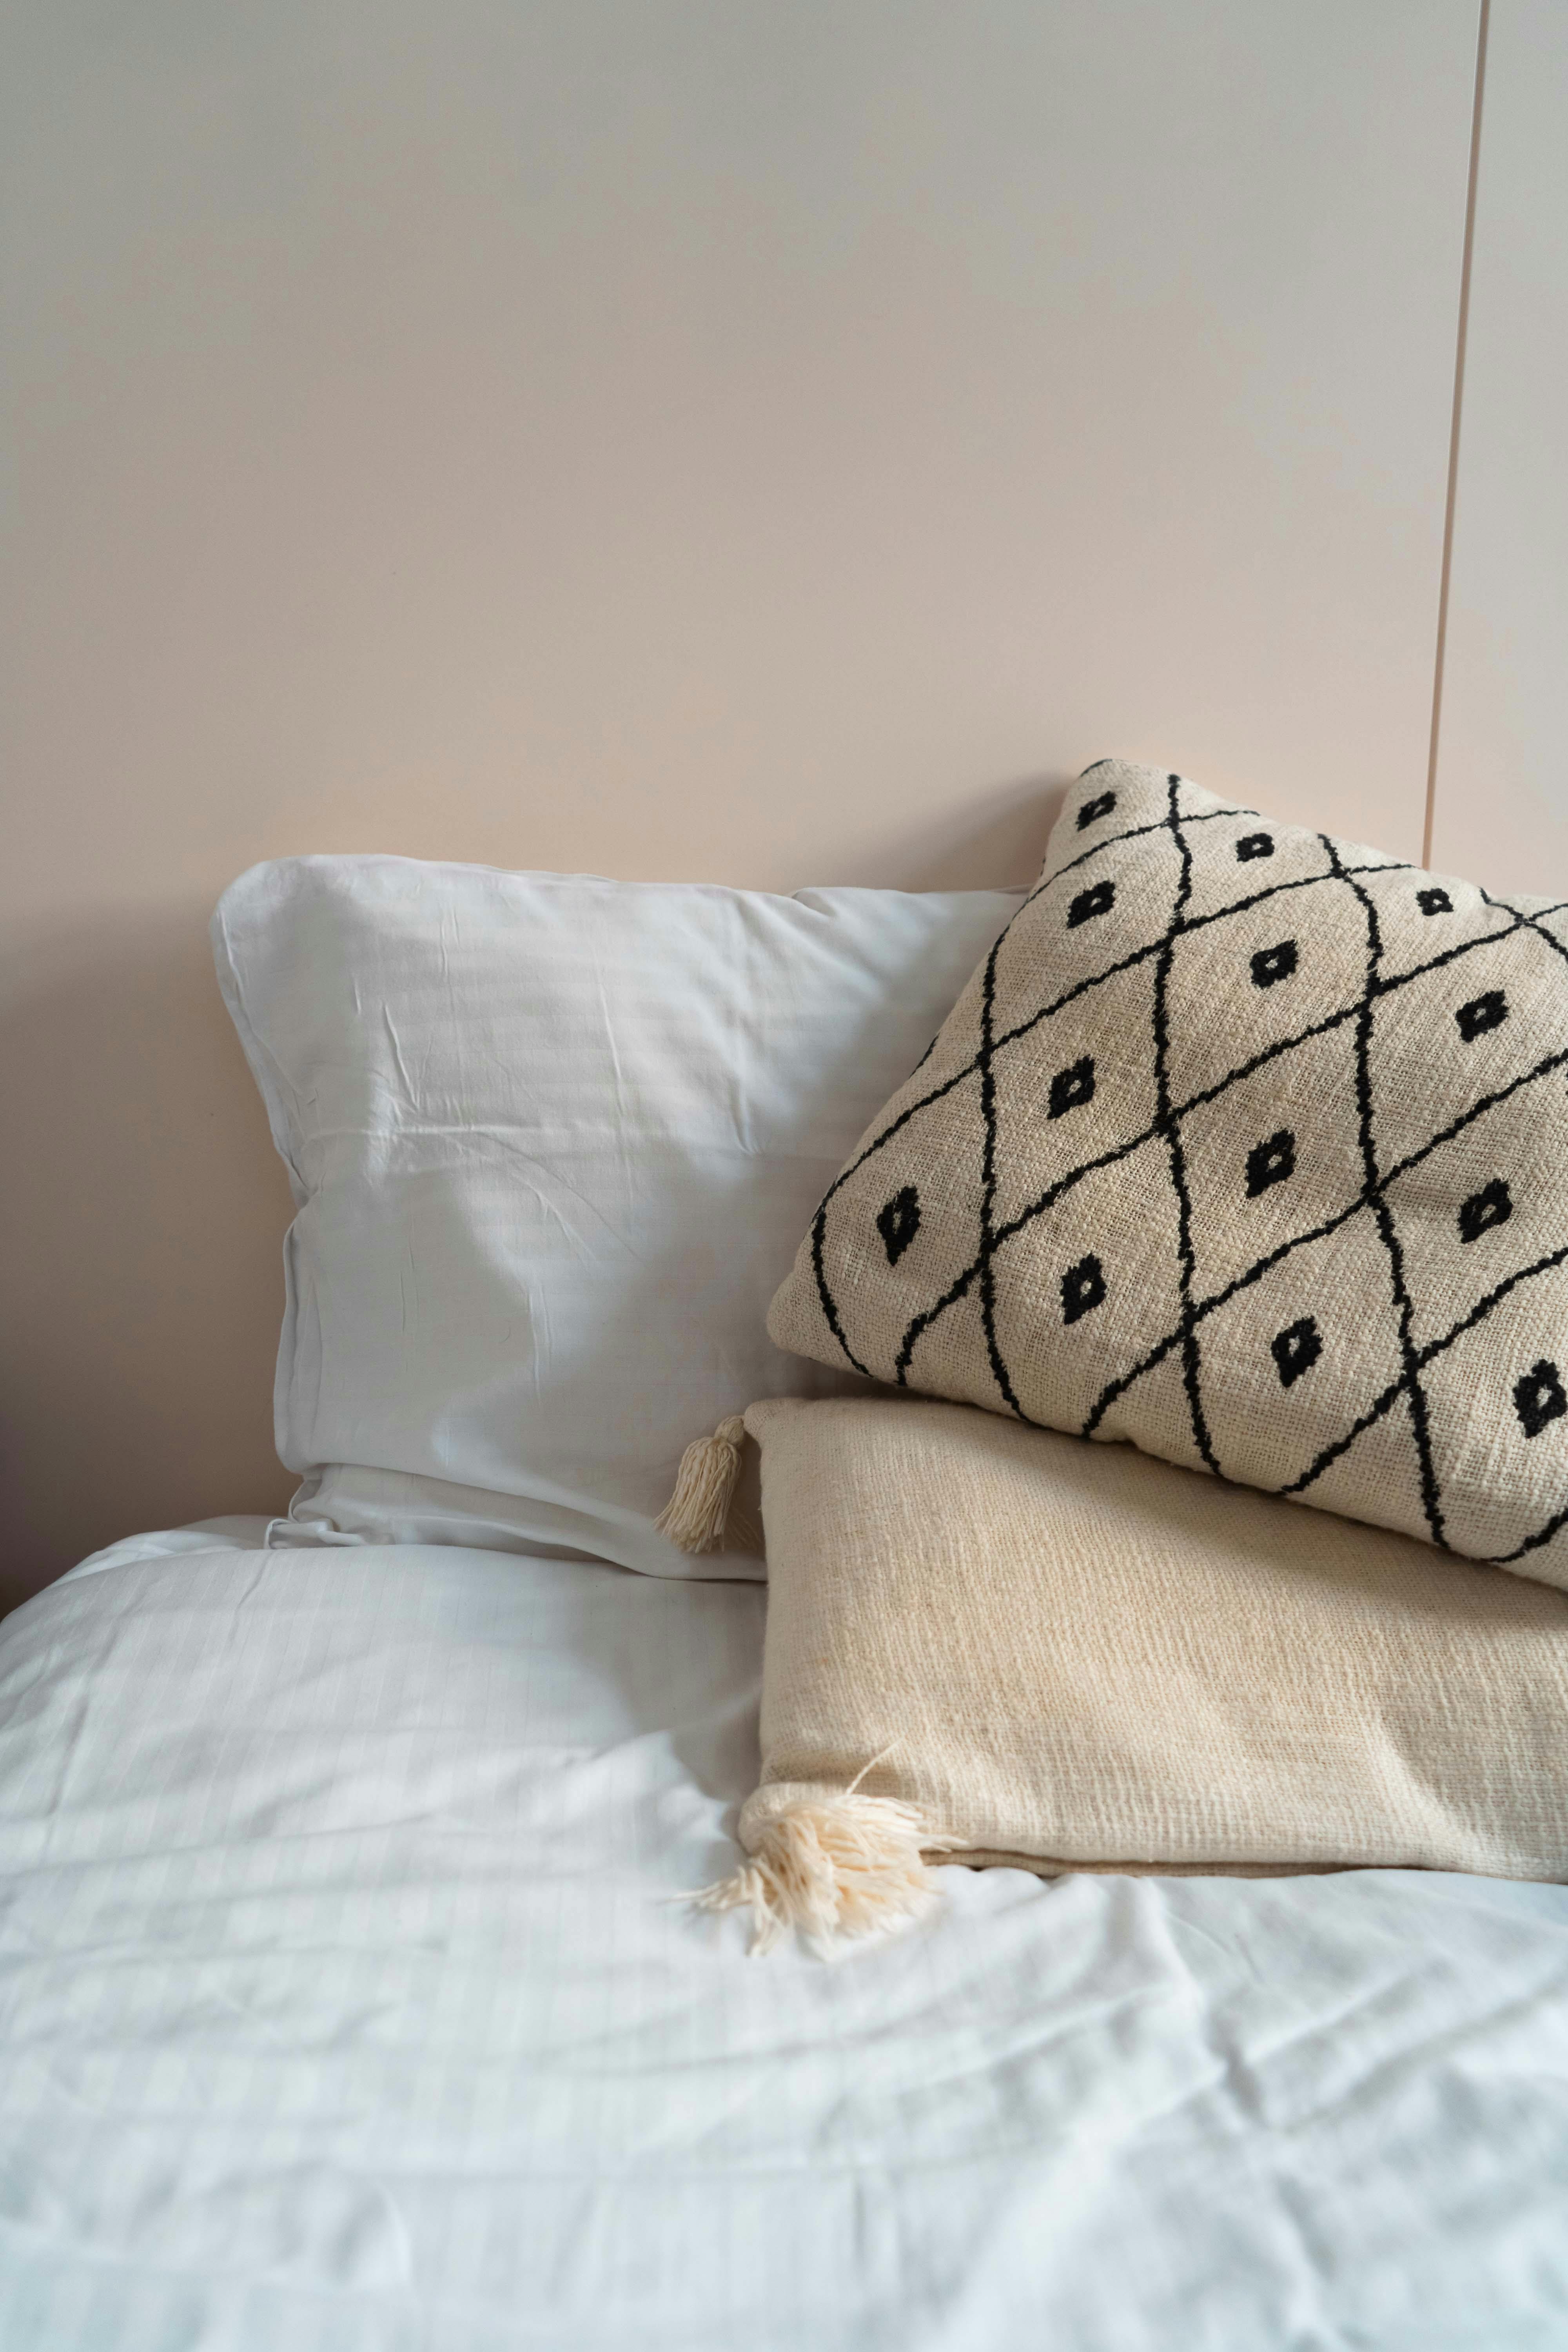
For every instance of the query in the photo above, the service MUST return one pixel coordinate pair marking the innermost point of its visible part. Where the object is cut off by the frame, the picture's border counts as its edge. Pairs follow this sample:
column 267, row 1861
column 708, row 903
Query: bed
column 349, row 2002
column 353, row 2000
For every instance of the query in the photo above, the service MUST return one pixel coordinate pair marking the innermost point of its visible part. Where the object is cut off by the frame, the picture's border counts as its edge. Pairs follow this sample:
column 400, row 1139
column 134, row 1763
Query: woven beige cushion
column 1248, row 1146
column 1077, row 1657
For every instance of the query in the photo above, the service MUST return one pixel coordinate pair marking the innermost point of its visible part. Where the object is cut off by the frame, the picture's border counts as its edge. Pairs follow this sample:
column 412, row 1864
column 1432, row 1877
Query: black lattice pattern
column 1403, row 950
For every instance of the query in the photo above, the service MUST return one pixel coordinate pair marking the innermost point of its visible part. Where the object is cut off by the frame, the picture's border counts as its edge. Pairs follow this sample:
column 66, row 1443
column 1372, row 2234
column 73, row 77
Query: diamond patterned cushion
column 1248, row 1146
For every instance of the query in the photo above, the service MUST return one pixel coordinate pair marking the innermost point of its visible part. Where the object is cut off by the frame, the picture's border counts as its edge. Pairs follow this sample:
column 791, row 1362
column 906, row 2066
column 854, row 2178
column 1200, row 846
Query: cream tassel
column 841, row 1865
column 694, row 1516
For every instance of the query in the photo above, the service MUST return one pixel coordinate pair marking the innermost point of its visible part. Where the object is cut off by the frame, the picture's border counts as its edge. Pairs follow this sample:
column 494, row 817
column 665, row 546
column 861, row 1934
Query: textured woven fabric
column 1072, row 1655
column 1249, row 1145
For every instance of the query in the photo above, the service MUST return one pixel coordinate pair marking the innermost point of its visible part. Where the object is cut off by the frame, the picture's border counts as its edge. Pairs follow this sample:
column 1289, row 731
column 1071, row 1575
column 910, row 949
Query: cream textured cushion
column 1248, row 1146
column 1077, row 1657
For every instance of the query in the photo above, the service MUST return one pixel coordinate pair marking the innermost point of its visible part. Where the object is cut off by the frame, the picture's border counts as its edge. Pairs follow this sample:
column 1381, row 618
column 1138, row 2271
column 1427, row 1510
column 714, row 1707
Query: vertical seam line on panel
column 1453, row 487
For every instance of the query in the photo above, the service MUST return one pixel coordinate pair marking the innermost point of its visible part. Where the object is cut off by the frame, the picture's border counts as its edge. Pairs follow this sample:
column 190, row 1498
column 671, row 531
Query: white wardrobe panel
column 732, row 440
column 1501, row 807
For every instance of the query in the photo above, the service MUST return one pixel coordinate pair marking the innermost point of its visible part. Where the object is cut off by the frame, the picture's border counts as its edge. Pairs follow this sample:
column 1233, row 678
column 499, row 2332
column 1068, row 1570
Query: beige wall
column 1503, row 768
column 735, row 441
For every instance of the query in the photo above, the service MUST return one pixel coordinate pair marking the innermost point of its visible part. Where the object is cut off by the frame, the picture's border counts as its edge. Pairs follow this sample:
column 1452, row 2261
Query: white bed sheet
column 343, row 2009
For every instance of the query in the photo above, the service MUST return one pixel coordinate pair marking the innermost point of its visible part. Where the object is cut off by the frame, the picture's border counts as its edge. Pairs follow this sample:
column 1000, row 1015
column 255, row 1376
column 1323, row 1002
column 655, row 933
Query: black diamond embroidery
column 898, row 1221
column 1083, row 1286
column 1538, row 1398
column 1207, row 848
column 1481, row 1014
column 1072, row 1086
column 1090, row 903
column 1270, row 1162
column 1296, row 1350
column 1492, row 1205
column 1270, row 964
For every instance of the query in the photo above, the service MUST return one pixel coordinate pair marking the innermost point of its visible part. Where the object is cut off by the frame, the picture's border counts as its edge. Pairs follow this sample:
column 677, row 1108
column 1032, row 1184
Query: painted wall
column 671, row 438
column 1501, row 804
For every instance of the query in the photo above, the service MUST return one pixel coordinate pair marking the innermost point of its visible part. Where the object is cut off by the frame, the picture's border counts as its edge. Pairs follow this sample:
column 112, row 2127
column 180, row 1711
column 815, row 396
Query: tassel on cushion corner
column 1250, row 1147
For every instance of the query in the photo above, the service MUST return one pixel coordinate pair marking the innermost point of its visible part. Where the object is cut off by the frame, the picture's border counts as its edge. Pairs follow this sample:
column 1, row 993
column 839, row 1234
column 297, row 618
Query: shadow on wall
column 143, row 1208
column 140, row 1228
column 998, row 839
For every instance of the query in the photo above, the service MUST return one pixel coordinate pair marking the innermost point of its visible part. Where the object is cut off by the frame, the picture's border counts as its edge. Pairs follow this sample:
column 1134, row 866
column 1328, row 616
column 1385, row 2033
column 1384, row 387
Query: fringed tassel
column 841, row 1865
column 696, row 1515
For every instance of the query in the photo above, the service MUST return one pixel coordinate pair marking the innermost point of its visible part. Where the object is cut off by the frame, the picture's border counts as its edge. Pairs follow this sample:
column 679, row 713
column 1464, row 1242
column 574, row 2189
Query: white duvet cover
column 346, row 2008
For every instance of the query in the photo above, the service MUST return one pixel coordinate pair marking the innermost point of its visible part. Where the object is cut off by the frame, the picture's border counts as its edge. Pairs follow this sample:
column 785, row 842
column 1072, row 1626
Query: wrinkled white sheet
column 343, row 2009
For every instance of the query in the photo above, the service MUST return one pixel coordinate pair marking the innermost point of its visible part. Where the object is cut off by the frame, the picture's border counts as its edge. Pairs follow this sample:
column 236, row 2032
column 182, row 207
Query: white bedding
column 553, row 1141
column 343, row 2007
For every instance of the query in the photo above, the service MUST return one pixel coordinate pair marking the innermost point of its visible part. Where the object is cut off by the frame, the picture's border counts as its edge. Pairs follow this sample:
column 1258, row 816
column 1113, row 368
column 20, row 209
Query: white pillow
column 553, row 1140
